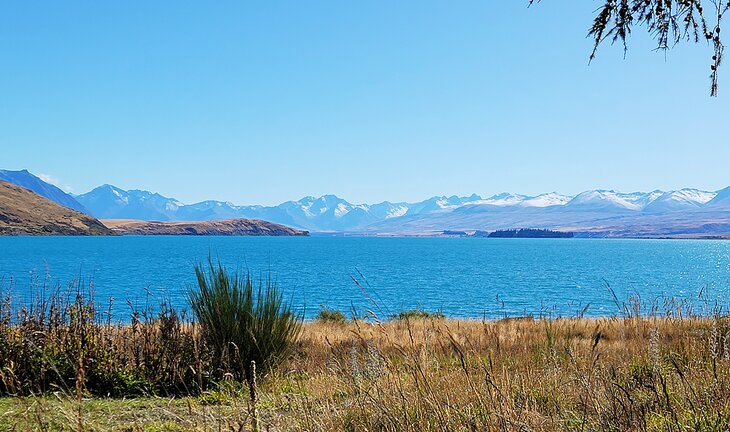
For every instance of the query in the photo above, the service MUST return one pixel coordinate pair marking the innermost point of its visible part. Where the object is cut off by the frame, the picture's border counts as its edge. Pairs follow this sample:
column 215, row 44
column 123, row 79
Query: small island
column 509, row 233
column 530, row 233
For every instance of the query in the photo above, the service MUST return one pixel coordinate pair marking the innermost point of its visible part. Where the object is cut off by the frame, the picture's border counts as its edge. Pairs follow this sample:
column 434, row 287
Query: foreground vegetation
column 66, row 365
column 630, row 373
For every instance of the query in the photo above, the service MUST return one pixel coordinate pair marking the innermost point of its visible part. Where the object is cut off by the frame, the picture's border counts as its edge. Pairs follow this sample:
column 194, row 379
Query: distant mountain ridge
column 590, row 210
column 599, row 212
column 326, row 213
column 110, row 202
column 721, row 199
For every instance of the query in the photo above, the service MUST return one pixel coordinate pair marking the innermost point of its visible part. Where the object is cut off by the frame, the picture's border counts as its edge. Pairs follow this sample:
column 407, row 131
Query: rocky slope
column 23, row 212
column 230, row 227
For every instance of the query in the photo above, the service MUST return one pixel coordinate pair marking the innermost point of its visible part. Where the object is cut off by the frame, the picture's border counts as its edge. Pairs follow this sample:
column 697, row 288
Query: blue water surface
column 462, row 277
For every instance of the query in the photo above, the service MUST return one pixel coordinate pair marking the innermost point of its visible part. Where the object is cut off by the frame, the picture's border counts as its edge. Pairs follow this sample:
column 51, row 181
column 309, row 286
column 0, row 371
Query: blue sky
column 261, row 102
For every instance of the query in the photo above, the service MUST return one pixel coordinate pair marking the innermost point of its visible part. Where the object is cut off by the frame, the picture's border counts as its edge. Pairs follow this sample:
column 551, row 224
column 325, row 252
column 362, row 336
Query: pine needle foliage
column 669, row 22
column 241, row 323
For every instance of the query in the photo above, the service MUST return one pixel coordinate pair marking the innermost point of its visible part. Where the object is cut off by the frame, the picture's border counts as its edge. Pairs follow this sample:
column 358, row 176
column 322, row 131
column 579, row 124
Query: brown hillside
column 23, row 212
column 230, row 227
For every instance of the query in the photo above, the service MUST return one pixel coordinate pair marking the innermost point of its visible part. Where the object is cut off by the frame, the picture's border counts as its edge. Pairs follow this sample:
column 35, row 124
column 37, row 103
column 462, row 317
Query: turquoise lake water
column 462, row 277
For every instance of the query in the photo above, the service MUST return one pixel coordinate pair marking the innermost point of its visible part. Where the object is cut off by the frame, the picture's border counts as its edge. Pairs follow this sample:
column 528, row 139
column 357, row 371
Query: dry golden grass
column 220, row 227
column 23, row 212
column 612, row 374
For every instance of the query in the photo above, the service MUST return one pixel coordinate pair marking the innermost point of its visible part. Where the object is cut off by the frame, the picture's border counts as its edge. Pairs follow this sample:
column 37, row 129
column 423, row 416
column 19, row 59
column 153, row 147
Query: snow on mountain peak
column 603, row 198
column 693, row 195
column 546, row 200
column 397, row 211
column 504, row 199
column 680, row 199
column 341, row 210
column 445, row 204
column 501, row 200
column 331, row 213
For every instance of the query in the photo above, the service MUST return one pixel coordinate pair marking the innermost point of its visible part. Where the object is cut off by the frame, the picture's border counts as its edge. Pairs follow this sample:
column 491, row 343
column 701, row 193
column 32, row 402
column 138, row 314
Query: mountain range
column 594, row 212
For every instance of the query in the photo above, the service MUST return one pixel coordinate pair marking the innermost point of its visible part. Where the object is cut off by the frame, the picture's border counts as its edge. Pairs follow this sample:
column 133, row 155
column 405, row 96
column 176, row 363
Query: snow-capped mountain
column 388, row 210
column 721, row 200
column 211, row 210
column 331, row 213
column 601, row 211
column 325, row 213
column 507, row 199
column 503, row 199
column 604, row 200
column 546, row 200
column 679, row 200
column 110, row 202
column 642, row 199
column 441, row 204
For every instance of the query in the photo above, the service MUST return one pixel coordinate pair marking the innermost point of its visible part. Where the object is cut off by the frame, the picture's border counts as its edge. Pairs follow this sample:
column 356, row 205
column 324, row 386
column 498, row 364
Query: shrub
column 46, row 340
column 418, row 314
column 330, row 315
column 241, row 324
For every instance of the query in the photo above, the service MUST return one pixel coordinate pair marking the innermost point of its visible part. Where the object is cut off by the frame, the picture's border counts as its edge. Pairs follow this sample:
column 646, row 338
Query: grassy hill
column 23, row 212
column 229, row 227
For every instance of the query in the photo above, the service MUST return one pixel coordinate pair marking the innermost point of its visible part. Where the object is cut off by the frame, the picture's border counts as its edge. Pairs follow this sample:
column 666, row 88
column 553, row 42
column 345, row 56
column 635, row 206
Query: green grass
column 52, row 413
column 417, row 313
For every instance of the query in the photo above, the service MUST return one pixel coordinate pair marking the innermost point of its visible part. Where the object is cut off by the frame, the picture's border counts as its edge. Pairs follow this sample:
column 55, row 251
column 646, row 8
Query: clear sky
column 258, row 102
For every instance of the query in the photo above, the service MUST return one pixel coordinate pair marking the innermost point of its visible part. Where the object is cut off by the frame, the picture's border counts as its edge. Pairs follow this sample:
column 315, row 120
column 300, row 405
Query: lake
column 462, row 277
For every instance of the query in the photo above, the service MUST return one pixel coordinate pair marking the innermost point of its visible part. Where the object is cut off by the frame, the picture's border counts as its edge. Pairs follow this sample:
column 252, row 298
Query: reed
column 60, row 340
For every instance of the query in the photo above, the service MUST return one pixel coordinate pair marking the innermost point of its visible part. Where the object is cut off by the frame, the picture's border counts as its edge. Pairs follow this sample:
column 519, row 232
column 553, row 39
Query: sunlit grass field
column 610, row 374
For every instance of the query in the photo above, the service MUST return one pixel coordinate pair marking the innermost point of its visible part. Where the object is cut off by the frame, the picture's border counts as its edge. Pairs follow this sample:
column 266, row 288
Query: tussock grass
column 241, row 325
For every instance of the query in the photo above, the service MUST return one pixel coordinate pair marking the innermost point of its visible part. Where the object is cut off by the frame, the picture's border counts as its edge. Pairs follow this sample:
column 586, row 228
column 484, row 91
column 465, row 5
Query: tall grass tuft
column 242, row 324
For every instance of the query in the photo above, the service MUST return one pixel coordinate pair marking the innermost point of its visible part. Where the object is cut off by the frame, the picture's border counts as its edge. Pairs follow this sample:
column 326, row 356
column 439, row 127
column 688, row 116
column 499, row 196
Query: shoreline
column 578, row 236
